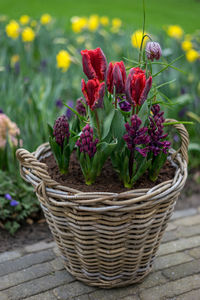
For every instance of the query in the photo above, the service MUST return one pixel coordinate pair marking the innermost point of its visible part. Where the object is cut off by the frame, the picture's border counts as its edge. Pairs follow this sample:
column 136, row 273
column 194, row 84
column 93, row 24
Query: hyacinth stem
column 115, row 102
column 133, row 110
column 131, row 160
column 137, row 109
column 98, row 126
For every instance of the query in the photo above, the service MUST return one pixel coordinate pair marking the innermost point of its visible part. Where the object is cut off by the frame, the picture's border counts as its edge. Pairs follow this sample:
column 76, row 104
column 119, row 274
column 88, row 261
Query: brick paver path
column 36, row 272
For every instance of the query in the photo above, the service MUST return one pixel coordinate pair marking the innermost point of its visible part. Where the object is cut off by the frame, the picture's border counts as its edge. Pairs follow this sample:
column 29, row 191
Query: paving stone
column 189, row 221
column 24, row 275
column 114, row 294
column 184, row 213
column 169, row 236
column 43, row 296
column 179, row 245
column 183, row 270
column 153, row 279
column 171, row 289
column 26, row 261
column 184, row 231
column 57, row 264
column 82, row 297
column 195, row 252
column 74, row 289
column 3, row 296
column 9, row 255
column 39, row 246
column 193, row 295
column 171, row 226
column 167, row 261
column 134, row 297
column 38, row 285
column 56, row 250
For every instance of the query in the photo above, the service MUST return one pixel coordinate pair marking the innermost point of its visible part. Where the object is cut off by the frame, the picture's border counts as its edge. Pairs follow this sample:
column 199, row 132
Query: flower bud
column 86, row 143
column 61, row 130
column 153, row 51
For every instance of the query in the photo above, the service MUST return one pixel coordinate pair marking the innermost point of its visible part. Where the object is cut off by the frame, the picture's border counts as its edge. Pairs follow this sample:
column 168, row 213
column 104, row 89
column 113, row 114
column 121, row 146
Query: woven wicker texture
column 106, row 239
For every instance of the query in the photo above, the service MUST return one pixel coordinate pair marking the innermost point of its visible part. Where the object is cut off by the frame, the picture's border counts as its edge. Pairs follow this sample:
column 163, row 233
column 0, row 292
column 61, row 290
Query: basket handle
column 27, row 160
column 184, row 139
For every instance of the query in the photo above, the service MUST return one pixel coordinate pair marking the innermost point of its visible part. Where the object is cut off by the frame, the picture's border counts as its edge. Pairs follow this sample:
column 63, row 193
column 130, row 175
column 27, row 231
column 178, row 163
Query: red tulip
column 116, row 76
column 93, row 92
column 94, row 64
column 137, row 86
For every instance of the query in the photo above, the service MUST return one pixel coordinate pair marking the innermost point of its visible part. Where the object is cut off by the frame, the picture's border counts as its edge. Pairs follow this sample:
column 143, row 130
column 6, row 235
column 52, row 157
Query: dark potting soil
column 108, row 181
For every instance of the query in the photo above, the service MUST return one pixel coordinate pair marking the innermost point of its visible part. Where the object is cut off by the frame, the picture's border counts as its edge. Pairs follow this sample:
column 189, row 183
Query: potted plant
column 110, row 238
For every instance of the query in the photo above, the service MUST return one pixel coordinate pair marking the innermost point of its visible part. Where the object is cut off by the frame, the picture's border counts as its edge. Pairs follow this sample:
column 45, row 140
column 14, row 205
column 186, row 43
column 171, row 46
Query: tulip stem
column 98, row 126
column 133, row 110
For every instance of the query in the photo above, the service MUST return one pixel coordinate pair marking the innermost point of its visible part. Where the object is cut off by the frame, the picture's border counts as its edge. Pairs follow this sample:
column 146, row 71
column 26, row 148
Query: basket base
column 108, row 284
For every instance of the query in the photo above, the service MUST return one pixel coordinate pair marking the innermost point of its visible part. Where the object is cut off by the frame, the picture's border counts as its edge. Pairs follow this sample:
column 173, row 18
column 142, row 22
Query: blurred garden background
column 40, row 71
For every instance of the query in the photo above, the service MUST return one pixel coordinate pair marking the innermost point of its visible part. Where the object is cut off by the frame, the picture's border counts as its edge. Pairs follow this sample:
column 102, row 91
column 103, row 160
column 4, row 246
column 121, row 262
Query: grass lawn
column 183, row 12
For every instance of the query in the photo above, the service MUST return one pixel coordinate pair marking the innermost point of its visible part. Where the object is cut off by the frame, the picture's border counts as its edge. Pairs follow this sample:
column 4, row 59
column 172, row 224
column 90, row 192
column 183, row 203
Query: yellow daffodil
column 45, row 19
column 175, row 31
column 186, row 45
column 63, row 60
column 24, row 19
column 93, row 22
column 78, row 24
column 28, row 35
column 33, row 23
column 104, row 21
column 192, row 55
column 14, row 59
column 116, row 24
column 12, row 29
column 80, row 39
column 136, row 39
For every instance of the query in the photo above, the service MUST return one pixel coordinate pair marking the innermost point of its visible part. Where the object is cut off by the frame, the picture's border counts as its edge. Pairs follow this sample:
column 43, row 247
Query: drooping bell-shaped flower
column 61, row 130
column 93, row 92
column 137, row 86
column 94, row 63
column 116, row 77
column 86, row 142
column 153, row 51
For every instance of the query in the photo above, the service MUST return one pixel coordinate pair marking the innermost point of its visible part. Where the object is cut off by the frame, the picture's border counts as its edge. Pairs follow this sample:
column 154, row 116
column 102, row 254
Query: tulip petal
column 146, row 90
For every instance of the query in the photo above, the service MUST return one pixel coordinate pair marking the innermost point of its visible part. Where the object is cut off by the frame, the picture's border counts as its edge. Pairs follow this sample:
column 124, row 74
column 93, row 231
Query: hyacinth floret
column 136, row 136
column 80, row 107
column 61, row 130
column 157, row 143
column 86, row 142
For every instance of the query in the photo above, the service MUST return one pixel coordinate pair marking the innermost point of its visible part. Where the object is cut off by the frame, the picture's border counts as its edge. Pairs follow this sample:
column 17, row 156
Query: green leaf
column 107, row 124
column 194, row 147
column 118, row 128
column 144, row 112
column 157, row 163
column 75, row 112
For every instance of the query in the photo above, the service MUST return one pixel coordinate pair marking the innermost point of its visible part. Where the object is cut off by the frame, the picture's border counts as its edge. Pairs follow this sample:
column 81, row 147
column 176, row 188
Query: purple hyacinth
column 61, row 130
column 153, row 51
column 80, row 106
column 136, row 136
column 86, row 143
column 68, row 112
column 157, row 143
column 59, row 103
column 123, row 104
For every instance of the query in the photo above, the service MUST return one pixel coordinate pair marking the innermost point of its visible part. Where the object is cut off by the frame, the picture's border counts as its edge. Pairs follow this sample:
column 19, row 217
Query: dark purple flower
column 153, row 51
column 182, row 112
column 1, row 111
column 17, row 68
column 43, row 64
column 136, row 136
column 14, row 202
column 68, row 112
column 123, row 104
column 157, row 143
column 59, row 103
column 176, row 138
column 86, row 142
column 8, row 197
column 61, row 130
column 80, row 107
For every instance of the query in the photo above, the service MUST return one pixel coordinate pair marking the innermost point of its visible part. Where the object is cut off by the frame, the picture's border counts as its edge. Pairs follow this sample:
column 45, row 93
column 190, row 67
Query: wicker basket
column 106, row 239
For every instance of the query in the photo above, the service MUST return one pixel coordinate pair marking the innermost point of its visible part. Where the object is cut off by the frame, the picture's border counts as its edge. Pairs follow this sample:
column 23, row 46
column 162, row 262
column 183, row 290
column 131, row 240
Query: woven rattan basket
column 106, row 239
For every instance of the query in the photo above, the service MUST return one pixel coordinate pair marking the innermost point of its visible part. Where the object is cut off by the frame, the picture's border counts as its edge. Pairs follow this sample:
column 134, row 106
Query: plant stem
column 133, row 110
column 115, row 102
column 98, row 126
column 131, row 160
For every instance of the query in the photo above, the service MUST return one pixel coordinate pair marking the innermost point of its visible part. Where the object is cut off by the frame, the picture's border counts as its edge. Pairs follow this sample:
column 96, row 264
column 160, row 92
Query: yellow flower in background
column 136, row 39
column 24, row 19
column 116, row 24
column 12, row 29
column 192, row 55
column 3, row 18
column 186, row 45
column 45, row 19
column 63, row 60
column 175, row 31
column 80, row 39
column 104, row 21
column 78, row 24
column 33, row 23
column 14, row 59
column 93, row 22
column 28, row 35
